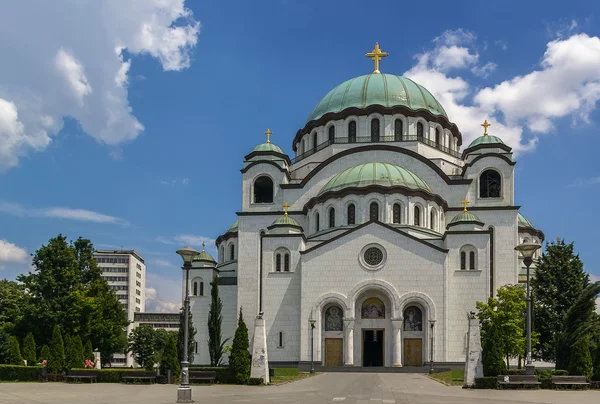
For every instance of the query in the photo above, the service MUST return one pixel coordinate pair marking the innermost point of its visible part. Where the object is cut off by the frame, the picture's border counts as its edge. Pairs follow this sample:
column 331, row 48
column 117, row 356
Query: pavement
column 330, row 388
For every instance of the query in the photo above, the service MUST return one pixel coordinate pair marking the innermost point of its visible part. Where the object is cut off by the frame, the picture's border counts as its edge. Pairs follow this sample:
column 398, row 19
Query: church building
column 374, row 240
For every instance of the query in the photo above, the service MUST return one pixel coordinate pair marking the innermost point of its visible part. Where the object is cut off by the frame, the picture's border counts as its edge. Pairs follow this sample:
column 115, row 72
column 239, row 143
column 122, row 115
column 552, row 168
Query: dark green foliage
column 239, row 360
column 546, row 382
column 581, row 358
column 88, row 351
column 169, row 358
column 29, row 350
column 596, row 375
column 191, row 337
column 161, row 337
column 79, row 358
column 14, row 304
column 149, row 366
column 110, row 375
column 514, row 372
column 56, row 361
column 560, row 372
column 286, row 372
column 493, row 355
column 14, row 373
column 580, row 322
column 142, row 342
column 488, row 382
column 255, row 381
column 70, row 353
column 4, row 337
column 224, row 375
column 215, row 319
column 559, row 281
column 45, row 353
column 13, row 353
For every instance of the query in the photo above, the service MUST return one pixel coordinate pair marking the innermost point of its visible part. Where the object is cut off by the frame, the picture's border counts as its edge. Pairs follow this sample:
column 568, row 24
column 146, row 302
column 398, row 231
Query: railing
column 370, row 139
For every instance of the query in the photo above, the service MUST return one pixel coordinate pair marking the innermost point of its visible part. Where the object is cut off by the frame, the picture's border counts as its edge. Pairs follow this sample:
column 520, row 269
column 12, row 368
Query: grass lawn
column 286, row 375
column 450, row 378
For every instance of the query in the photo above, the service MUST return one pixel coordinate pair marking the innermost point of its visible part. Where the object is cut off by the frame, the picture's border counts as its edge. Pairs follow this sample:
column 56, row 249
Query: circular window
column 373, row 256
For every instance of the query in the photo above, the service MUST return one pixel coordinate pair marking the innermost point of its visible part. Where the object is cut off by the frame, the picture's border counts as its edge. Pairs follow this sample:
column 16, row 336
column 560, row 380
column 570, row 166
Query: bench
column 74, row 375
column 569, row 381
column 518, row 380
column 201, row 376
column 138, row 375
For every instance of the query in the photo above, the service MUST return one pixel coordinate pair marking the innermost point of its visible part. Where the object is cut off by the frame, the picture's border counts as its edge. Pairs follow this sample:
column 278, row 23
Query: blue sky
column 127, row 122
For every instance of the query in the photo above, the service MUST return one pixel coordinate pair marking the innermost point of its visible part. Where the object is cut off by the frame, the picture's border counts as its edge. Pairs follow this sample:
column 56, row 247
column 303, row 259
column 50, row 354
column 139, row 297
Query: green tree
column 596, row 375
column 45, row 353
column 142, row 343
column 29, row 350
column 14, row 303
column 13, row 354
column 69, row 352
column 191, row 336
column 4, row 337
column 215, row 320
column 161, row 340
column 559, row 280
column 169, row 357
column 581, row 358
column 239, row 360
column 88, row 351
column 78, row 360
column 580, row 322
column 56, row 360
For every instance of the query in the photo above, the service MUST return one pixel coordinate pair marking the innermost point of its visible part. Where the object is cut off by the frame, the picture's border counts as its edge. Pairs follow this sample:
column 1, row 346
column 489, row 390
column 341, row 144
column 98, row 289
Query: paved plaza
column 344, row 388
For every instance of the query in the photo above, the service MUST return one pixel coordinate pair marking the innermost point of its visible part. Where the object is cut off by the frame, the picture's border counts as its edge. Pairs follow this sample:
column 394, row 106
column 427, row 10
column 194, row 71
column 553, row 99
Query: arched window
column 263, row 190
column 472, row 260
column 317, row 224
column 432, row 219
column 490, row 184
column 315, row 141
column 417, row 216
column 232, row 252
column 201, row 289
column 331, row 134
column 286, row 262
column 278, row 262
column 372, row 308
column 468, row 252
column 419, row 130
column 351, row 214
column 331, row 217
column 352, row 132
column 413, row 319
column 396, row 213
column 463, row 260
column 437, row 135
column 398, row 130
column 222, row 254
column 334, row 319
column 195, row 289
column 375, row 130
column 374, row 211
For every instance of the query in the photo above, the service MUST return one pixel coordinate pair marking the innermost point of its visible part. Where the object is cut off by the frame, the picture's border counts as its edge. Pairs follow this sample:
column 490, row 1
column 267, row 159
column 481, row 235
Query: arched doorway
column 333, row 335
column 413, row 332
column 373, row 330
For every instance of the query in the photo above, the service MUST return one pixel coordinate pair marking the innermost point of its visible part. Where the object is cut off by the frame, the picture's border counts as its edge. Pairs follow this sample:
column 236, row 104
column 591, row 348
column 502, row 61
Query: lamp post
column 431, row 324
column 184, row 392
column 312, row 321
column 527, row 250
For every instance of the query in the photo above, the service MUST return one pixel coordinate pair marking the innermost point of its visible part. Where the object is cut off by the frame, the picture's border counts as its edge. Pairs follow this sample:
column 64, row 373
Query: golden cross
column 285, row 208
column 485, row 126
column 268, row 133
column 376, row 54
column 465, row 202
column 203, row 246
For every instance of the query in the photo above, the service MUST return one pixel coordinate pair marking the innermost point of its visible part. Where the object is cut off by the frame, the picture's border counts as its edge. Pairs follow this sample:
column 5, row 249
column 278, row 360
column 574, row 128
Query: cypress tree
column 78, row 360
column 56, row 360
column 169, row 357
column 215, row 319
column 581, row 358
column 88, row 352
column 13, row 353
column 239, row 360
column 493, row 355
column 29, row 350
column 69, row 352
column 45, row 353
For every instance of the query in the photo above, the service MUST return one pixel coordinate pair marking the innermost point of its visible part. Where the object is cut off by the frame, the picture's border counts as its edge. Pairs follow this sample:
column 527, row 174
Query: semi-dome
column 465, row 217
column 268, row 147
column 233, row 228
column 286, row 220
column 523, row 222
column 382, row 174
column 388, row 90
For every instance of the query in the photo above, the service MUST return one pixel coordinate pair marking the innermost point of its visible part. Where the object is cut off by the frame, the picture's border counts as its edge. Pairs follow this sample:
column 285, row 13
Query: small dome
column 487, row 139
column 286, row 221
column 233, row 228
column 268, row 147
column 204, row 256
column 387, row 90
column 382, row 174
column 465, row 217
column 523, row 222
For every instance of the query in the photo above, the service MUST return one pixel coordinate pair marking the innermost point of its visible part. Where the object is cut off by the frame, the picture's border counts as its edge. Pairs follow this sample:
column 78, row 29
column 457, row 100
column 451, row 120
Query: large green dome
column 382, row 174
column 387, row 90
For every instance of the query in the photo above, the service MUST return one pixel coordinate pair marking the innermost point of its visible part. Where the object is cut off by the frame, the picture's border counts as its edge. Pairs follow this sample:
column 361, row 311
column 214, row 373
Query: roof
column 387, row 90
column 268, row 147
column 286, row 220
column 465, row 218
column 523, row 222
column 204, row 256
column 382, row 174
column 485, row 140
column 233, row 227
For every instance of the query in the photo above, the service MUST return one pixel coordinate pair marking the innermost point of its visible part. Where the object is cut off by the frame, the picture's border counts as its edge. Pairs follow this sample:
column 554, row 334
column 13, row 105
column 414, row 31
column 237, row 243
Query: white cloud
column 454, row 57
column 187, row 239
column 72, row 58
column 82, row 215
column 182, row 181
column 485, row 70
column 10, row 252
column 583, row 182
column 163, row 294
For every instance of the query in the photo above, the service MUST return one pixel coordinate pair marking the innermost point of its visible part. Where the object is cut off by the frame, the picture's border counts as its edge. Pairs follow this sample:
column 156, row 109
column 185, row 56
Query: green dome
column 266, row 147
column 233, row 228
column 523, row 222
column 465, row 217
column 383, row 174
column 286, row 221
column 204, row 256
column 387, row 90
column 487, row 139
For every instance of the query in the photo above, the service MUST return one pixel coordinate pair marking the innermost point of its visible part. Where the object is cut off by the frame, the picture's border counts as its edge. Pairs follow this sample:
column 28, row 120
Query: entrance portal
column 413, row 352
column 333, row 351
column 372, row 347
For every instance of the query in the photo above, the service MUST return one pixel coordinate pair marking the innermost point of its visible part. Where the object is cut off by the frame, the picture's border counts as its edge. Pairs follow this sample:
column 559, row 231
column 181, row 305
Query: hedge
column 255, row 381
column 109, row 375
column 16, row 373
column 224, row 375
column 489, row 382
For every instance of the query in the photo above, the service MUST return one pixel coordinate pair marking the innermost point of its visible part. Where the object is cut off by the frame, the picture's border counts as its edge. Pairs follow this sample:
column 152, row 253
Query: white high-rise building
column 125, row 272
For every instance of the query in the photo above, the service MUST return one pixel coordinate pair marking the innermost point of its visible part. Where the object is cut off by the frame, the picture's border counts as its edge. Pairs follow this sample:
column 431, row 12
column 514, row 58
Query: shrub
column 45, row 353
column 596, row 374
column 70, row 362
column 560, row 372
column 239, row 360
column 224, row 375
column 149, row 365
column 88, row 352
column 13, row 373
column 546, row 382
column 581, row 358
column 110, row 375
column 493, row 357
column 169, row 358
column 56, row 361
column 29, row 350
column 255, row 381
column 515, row 372
column 79, row 358
column 489, row 382
column 13, row 353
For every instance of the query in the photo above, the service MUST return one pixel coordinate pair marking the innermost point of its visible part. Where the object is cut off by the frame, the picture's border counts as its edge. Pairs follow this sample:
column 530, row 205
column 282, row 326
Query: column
column 397, row 342
column 348, row 342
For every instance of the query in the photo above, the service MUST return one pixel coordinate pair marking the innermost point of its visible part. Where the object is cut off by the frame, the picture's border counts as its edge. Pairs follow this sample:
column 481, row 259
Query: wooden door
column 413, row 352
column 334, row 348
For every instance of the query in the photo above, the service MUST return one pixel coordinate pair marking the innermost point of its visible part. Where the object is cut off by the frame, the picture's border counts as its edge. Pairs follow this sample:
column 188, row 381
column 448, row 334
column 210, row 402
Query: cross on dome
column 465, row 202
column 268, row 133
column 203, row 246
column 485, row 126
column 285, row 208
column 376, row 54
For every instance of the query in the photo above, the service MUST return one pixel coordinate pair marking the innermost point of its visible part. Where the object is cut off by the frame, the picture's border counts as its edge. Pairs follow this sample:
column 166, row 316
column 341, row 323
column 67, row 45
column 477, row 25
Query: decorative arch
column 331, row 133
column 333, row 318
column 490, row 183
column 351, row 213
column 281, row 260
column 468, row 257
column 263, row 189
column 397, row 212
column 197, row 286
column 352, row 130
column 420, row 298
column 231, row 252
column 375, row 128
column 379, row 285
column 315, row 138
column 418, row 215
column 374, row 214
column 433, row 219
column 332, row 298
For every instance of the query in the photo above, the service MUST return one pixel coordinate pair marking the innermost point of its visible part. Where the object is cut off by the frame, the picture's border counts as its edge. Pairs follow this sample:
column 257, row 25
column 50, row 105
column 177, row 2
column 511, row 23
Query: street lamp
column 312, row 321
column 184, row 392
column 527, row 250
column 431, row 324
